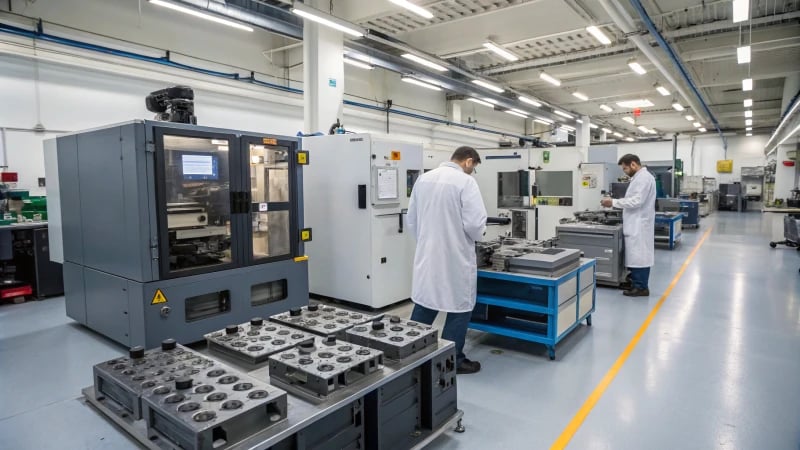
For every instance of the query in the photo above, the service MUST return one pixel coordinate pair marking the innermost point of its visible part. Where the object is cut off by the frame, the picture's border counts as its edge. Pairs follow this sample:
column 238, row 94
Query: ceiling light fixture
column 529, row 101
column 629, row 119
column 424, row 62
column 606, row 130
column 490, row 86
column 519, row 111
column 550, row 79
column 748, row 102
column 639, row 103
column 662, row 90
column 499, row 50
column 748, row 129
column 636, row 67
column 514, row 113
column 421, row 83
column 567, row 128
column 543, row 121
column 593, row 126
column 580, row 95
column 416, row 9
column 747, row 84
column 748, row 114
column 201, row 15
column 598, row 34
column 677, row 106
column 359, row 64
column 697, row 124
column 702, row 130
column 606, row 108
column 630, row 139
column 748, row 122
column 618, row 134
column 743, row 54
column 643, row 129
column 689, row 118
column 489, row 100
column 480, row 102
column 328, row 20
column 748, row 134
column 563, row 114
column 741, row 10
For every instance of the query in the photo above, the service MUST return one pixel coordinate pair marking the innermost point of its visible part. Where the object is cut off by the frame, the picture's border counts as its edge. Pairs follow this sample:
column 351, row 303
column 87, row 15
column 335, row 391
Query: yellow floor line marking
column 601, row 387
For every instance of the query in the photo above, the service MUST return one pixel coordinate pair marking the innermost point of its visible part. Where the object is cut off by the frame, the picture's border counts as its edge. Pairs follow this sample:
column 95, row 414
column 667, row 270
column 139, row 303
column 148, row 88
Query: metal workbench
column 303, row 412
column 535, row 308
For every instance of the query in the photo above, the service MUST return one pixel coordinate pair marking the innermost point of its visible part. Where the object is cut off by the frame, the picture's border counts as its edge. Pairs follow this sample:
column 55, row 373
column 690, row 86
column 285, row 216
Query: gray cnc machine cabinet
column 174, row 230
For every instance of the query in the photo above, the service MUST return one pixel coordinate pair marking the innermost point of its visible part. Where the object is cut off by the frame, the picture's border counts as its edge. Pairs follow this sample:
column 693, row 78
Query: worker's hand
column 607, row 202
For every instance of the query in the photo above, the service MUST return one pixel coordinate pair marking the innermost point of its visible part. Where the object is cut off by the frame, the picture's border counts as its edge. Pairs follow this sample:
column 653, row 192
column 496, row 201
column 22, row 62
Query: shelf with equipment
column 535, row 308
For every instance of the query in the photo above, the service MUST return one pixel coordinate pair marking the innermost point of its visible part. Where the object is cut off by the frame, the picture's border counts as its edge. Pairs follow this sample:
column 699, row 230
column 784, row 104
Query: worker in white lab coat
column 638, row 223
column 446, row 215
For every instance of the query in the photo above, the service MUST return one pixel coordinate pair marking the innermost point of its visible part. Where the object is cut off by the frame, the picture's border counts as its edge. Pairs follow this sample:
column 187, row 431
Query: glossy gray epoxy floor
column 718, row 367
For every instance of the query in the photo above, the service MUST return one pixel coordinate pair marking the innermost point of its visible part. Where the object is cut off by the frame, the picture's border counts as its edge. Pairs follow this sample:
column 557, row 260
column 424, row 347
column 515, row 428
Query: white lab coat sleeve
column 473, row 211
column 632, row 199
column 411, row 215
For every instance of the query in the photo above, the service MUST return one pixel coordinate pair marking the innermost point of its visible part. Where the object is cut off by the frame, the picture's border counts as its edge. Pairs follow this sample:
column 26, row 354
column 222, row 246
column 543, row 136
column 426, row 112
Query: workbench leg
column 552, row 353
column 589, row 320
column 459, row 427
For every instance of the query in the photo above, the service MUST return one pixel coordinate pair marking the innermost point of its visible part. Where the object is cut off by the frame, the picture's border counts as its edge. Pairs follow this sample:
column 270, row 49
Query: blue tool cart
column 535, row 308
column 669, row 228
column 691, row 213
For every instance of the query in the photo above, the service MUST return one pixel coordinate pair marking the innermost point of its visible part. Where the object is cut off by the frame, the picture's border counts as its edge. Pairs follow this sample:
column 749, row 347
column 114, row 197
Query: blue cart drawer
column 567, row 315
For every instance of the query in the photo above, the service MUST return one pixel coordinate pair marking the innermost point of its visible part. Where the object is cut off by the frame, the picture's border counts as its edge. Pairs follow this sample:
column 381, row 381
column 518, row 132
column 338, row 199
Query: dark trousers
column 455, row 326
column 640, row 277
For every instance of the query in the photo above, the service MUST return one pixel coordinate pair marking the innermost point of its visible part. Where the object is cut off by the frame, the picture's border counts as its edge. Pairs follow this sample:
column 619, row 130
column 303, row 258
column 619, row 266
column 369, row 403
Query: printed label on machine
column 158, row 297
column 263, row 207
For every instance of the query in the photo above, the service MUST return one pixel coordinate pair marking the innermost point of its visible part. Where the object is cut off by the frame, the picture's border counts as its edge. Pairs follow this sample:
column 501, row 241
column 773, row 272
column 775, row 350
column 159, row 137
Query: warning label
column 159, row 297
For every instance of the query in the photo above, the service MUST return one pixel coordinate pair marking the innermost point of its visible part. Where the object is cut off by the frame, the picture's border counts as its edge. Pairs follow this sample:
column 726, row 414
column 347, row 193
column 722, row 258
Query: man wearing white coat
column 638, row 223
column 446, row 215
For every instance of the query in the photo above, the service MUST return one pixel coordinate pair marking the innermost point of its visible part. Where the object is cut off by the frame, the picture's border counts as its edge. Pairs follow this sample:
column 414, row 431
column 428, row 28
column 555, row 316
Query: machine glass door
column 195, row 202
column 271, row 175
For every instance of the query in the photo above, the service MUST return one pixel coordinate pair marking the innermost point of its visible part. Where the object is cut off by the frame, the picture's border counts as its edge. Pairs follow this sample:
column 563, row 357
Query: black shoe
column 636, row 292
column 467, row 367
column 626, row 286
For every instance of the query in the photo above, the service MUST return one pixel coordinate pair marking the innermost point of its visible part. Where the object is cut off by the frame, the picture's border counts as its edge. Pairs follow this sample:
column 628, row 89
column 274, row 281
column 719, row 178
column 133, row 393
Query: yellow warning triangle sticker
column 159, row 297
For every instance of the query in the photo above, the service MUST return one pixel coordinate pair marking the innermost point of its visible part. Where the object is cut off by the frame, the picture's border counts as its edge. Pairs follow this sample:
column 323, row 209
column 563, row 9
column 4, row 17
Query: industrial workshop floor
column 718, row 366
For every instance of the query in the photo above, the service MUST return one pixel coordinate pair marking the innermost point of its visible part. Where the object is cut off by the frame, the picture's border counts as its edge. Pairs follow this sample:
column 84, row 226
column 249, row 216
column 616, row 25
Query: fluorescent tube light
column 748, row 102
column 578, row 120
column 514, row 113
column 496, row 48
column 480, row 102
column 201, row 15
column 678, row 106
column 748, row 129
column 489, row 100
column 747, row 84
column 598, row 34
column 563, row 114
column 643, row 129
column 749, row 134
column 550, row 79
column 543, row 120
column 529, row 101
column 702, row 130
column 639, row 103
column 662, row 90
column 567, row 128
column 743, row 54
column 606, row 108
column 607, row 130
column 636, row 67
column 519, row 111
column 629, row 119
column 618, row 134
column 328, row 20
column 416, row 9
column 748, row 122
column 490, row 86
column 689, row 118
column 421, row 83
column 593, row 126
column 630, row 139
column 741, row 10
column 748, row 114
column 580, row 95
column 697, row 124
column 359, row 64
column 424, row 62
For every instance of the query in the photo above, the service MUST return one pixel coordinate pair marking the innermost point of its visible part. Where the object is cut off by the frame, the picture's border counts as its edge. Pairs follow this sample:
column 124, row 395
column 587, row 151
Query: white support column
column 583, row 136
column 323, row 73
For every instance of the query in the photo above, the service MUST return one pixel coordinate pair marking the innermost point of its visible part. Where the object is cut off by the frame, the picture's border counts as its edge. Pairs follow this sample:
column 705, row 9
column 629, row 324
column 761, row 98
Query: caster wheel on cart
column 589, row 321
column 460, row 428
column 552, row 354
column 773, row 245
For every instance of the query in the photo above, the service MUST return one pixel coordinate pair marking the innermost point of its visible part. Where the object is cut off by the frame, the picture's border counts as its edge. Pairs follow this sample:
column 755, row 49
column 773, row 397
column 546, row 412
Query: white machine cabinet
column 358, row 187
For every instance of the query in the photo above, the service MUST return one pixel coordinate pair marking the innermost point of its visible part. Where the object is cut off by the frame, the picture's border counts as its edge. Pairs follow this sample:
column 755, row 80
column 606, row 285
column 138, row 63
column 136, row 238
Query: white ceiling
column 550, row 35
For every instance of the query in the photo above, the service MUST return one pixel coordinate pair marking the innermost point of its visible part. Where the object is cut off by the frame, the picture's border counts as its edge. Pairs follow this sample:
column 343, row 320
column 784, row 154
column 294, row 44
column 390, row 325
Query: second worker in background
column 447, row 216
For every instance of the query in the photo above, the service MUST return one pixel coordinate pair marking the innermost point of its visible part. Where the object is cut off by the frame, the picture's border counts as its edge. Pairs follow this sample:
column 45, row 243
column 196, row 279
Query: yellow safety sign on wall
column 158, row 297
column 395, row 155
column 302, row 158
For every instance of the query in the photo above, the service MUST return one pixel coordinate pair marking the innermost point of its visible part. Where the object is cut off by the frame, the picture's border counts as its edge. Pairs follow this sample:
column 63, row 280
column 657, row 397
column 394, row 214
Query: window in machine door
column 269, row 185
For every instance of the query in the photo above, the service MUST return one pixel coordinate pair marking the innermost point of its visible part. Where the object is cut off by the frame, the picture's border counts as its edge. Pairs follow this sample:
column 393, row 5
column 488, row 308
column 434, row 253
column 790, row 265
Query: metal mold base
column 253, row 342
column 322, row 320
column 395, row 337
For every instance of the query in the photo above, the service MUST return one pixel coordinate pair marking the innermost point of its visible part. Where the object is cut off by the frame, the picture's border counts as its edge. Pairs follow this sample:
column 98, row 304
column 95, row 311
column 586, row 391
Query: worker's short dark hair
column 464, row 153
column 628, row 159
